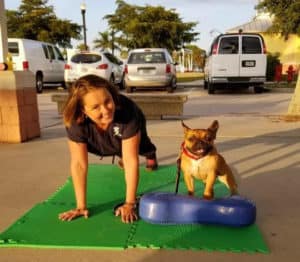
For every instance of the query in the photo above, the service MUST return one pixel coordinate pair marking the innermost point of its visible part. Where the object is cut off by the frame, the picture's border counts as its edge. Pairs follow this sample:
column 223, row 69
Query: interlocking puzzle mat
column 41, row 228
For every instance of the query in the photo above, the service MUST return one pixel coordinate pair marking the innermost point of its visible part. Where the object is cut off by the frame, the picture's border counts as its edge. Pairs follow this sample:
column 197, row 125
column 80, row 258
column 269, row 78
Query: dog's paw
column 191, row 193
column 208, row 197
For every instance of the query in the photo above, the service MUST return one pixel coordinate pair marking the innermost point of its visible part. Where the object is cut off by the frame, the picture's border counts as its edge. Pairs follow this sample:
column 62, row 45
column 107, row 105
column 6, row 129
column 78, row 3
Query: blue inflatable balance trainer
column 172, row 208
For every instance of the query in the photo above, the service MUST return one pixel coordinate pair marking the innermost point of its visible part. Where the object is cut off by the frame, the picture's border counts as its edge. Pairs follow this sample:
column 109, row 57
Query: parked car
column 44, row 60
column 102, row 64
column 236, row 60
column 150, row 67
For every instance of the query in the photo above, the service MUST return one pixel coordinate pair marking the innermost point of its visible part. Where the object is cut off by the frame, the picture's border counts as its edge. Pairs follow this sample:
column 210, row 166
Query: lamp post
column 83, row 9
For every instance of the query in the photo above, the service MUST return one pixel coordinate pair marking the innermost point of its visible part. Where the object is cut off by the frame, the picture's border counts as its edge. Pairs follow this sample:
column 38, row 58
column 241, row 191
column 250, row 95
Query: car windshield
column 86, row 58
column 146, row 57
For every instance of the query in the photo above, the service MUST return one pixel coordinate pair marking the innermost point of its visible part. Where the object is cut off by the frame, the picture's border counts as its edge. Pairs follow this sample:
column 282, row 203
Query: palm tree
column 106, row 41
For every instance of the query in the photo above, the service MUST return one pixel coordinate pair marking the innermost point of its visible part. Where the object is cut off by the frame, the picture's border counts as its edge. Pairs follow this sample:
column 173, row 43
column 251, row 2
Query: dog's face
column 200, row 141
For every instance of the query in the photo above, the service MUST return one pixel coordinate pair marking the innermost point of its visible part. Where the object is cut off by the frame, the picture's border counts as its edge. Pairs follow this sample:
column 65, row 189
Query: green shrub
column 272, row 62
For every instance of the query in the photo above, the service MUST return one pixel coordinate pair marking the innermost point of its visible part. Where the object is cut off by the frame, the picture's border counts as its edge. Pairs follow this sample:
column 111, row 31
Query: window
column 51, row 52
column 251, row 45
column 111, row 58
column 147, row 57
column 58, row 54
column 229, row 45
column 86, row 58
column 13, row 48
column 46, row 51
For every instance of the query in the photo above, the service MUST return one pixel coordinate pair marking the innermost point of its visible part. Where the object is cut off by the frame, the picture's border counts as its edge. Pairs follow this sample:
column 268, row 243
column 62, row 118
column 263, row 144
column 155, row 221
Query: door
column 116, row 67
column 57, row 67
column 253, row 58
column 48, row 65
column 226, row 62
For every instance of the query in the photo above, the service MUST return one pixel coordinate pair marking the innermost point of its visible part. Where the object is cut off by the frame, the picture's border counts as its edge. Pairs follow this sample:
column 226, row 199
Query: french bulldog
column 201, row 160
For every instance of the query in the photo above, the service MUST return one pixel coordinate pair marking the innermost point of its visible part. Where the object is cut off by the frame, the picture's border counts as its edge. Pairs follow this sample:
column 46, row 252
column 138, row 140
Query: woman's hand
column 127, row 213
column 73, row 213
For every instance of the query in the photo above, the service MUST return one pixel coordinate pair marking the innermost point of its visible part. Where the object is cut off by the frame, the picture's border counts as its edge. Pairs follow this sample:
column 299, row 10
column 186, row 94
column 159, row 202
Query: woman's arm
column 78, row 166
column 130, row 156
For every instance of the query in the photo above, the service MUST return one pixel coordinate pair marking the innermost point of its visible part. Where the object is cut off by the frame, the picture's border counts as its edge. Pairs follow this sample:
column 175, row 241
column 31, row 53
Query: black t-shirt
column 128, row 120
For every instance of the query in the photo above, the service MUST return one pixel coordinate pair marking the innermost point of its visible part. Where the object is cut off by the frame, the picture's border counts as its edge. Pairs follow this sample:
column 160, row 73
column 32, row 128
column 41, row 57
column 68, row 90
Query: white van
column 43, row 59
column 236, row 60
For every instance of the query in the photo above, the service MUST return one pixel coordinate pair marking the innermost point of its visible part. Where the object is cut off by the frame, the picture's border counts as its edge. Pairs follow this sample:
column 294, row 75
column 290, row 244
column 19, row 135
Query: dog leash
column 178, row 174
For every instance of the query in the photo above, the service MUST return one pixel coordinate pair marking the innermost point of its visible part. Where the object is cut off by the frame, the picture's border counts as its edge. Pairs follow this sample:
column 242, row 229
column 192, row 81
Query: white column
column 3, row 33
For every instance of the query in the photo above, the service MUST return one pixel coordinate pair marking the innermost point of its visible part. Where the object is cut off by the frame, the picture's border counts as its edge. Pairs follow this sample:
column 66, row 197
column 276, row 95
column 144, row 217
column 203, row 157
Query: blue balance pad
column 171, row 208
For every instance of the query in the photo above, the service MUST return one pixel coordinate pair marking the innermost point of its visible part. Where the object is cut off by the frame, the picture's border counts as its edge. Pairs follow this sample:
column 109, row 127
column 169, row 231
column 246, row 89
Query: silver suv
column 150, row 67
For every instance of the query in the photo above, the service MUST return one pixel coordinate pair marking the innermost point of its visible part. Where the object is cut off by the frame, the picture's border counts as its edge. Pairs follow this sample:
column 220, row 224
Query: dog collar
column 188, row 153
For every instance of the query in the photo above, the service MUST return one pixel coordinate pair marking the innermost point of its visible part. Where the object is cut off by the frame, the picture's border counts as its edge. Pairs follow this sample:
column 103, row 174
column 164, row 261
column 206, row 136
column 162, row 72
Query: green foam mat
column 40, row 226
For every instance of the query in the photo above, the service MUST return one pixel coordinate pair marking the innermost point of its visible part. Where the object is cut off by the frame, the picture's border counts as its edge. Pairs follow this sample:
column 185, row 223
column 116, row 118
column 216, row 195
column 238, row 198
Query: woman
column 103, row 122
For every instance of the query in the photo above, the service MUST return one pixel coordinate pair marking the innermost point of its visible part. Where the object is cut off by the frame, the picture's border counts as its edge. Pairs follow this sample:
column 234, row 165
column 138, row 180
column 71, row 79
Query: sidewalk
column 262, row 150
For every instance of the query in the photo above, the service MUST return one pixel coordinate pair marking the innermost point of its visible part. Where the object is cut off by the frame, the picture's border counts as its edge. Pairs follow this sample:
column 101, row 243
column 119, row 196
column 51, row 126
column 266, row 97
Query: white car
column 236, row 60
column 102, row 64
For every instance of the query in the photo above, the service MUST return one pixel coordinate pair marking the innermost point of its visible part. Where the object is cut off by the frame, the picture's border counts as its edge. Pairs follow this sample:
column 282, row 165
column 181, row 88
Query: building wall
column 289, row 49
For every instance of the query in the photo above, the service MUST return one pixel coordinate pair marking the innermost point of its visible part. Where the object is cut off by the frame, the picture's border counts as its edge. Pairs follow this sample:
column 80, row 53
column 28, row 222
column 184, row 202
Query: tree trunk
column 294, row 106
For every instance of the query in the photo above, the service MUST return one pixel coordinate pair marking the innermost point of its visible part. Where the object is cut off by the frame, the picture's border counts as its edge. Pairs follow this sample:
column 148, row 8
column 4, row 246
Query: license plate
column 146, row 70
column 248, row 63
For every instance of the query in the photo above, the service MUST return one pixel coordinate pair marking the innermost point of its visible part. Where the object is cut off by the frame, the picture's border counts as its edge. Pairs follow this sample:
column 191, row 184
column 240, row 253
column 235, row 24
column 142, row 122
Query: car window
column 251, row 45
column 111, row 58
column 86, row 58
column 58, row 54
column 229, row 45
column 13, row 48
column 147, row 57
column 51, row 52
column 46, row 53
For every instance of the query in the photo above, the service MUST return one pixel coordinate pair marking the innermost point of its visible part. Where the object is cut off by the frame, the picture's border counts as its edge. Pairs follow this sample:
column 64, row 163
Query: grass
column 189, row 76
column 192, row 76
column 281, row 84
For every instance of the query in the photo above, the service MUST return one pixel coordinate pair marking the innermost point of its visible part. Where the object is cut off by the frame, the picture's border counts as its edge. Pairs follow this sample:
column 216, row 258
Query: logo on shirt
column 116, row 131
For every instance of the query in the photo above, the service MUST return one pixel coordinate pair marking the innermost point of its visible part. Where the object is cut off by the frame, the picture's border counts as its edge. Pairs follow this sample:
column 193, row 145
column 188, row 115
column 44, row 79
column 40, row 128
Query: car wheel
column 258, row 89
column 39, row 83
column 63, row 85
column 122, row 83
column 69, row 86
column 174, row 83
column 210, row 88
column 170, row 89
column 112, row 80
column 205, row 84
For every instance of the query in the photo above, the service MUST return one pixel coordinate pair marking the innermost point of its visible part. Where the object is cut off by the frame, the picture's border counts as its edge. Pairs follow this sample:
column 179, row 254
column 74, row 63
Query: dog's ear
column 185, row 127
column 214, row 127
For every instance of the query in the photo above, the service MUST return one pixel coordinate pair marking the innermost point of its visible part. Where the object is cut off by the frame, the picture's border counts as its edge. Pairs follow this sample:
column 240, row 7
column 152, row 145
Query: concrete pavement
column 262, row 150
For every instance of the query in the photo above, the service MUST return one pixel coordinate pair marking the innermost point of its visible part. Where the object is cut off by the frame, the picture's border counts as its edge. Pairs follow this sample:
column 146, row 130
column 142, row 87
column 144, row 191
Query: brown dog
column 200, row 159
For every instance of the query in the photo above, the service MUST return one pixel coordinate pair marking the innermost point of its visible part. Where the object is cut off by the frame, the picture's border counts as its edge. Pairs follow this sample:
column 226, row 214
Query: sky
column 213, row 16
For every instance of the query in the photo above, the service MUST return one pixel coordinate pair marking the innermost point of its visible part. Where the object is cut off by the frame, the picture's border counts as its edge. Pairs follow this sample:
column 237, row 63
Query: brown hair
column 73, row 110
